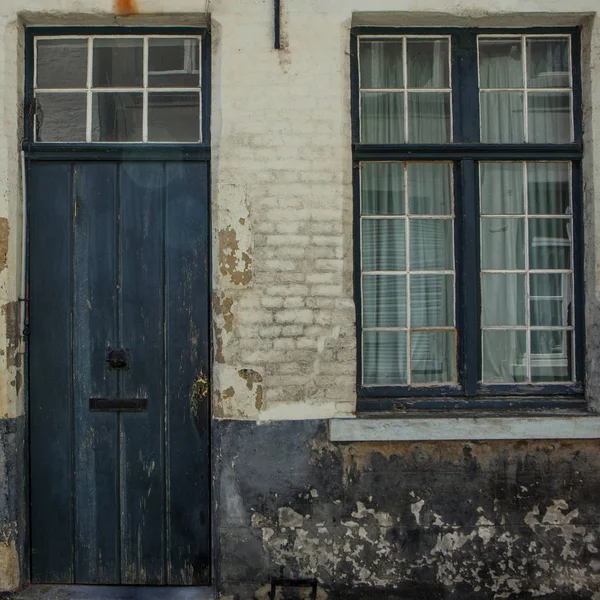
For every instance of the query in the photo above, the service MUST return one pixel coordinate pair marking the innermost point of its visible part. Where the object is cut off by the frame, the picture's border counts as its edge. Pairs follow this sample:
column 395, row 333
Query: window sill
column 410, row 427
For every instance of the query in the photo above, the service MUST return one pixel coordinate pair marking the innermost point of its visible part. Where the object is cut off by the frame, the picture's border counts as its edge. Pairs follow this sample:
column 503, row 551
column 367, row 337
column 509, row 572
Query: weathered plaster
column 447, row 520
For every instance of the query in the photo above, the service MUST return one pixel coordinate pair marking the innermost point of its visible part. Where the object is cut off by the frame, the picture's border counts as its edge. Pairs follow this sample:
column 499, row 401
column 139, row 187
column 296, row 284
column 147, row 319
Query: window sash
column 465, row 152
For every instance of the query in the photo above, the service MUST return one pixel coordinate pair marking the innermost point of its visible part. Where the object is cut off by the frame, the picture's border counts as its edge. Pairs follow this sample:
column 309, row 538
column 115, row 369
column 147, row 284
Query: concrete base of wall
column 14, row 568
column 451, row 520
column 112, row 592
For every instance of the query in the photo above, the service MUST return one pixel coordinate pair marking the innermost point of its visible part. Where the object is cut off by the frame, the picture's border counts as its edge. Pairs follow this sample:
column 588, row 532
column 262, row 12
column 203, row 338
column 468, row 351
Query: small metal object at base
column 275, row 583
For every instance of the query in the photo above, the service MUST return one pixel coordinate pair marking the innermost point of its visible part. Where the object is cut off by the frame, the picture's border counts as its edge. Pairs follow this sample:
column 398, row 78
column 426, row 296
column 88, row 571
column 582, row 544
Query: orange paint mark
column 125, row 7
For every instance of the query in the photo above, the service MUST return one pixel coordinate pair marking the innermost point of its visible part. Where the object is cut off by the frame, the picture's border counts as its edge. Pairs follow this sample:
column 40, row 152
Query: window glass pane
column 432, row 356
column 502, row 188
column 383, row 245
column 61, row 117
column 62, row 63
column 430, row 188
column 382, row 188
column 503, row 299
column 548, row 188
column 431, row 244
column 548, row 63
column 428, row 65
column 381, row 64
column 384, row 300
column 428, row 117
column 118, row 62
column 500, row 63
column 550, row 243
column 431, row 300
column 384, row 357
column 550, row 356
column 117, row 117
column 550, row 295
column 502, row 117
column 382, row 118
column 174, row 117
column 504, row 356
column 502, row 243
column 549, row 116
column 173, row 62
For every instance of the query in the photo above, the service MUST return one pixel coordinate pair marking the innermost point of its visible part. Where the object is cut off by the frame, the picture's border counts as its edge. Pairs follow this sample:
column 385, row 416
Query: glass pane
column 502, row 117
column 382, row 118
column 550, row 299
column 384, row 300
column 548, row 188
column 432, row 356
column 62, row 63
column 502, row 243
column 61, row 117
column 384, row 357
column 550, row 356
column 431, row 301
column 382, row 188
column 503, row 299
column 548, row 63
column 549, row 117
column 504, row 356
column 549, row 243
column 174, row 117
column 383, row 245
column 430, row 188
column 428, row 65
column 431, row 244
column 117, row 117
column 428, row 117
column 381, row 64
column 118, row 62
column 173, row 62
column 502, row 188
column 500, row 63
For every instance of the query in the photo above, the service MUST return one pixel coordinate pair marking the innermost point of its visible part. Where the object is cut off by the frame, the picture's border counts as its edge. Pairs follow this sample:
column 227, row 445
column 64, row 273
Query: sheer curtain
column 389, row 269
column 532, row 250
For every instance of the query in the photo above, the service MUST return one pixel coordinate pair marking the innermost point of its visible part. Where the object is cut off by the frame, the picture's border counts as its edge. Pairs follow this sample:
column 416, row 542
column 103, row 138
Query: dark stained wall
column 14, row 565
column 436, row 520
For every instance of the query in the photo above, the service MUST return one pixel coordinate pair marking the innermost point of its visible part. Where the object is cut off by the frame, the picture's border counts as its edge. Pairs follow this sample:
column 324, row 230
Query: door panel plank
column 142, row 434
column 188, row 485
column 96, row 449
column 51, row 419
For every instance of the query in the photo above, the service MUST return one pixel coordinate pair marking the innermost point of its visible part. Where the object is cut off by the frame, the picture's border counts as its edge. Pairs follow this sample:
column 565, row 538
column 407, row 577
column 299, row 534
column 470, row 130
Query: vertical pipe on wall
column 277, row 24
column 23, row 295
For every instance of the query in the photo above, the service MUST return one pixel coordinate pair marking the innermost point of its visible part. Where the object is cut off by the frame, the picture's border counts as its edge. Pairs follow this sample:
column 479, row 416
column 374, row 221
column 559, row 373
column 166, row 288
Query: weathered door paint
column 119, row 259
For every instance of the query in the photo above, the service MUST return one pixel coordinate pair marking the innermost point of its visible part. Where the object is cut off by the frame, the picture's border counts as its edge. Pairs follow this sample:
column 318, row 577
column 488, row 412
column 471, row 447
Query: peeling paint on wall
column 429, row 521
column 9, row 566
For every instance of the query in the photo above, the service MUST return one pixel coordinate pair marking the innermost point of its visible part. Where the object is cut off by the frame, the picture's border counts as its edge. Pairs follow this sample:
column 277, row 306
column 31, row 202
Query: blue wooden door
column 118, row 368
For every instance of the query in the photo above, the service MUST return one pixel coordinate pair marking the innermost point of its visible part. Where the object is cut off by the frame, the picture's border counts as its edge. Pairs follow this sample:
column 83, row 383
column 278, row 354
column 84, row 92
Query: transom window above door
column 126, row 88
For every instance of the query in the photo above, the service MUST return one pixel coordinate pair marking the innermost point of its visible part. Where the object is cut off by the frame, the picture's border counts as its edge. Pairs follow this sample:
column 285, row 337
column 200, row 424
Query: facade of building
column 309, row 291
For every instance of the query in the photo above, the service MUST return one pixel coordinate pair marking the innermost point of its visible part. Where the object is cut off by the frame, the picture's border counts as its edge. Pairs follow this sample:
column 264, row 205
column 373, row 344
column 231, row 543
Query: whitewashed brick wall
column 284, row 332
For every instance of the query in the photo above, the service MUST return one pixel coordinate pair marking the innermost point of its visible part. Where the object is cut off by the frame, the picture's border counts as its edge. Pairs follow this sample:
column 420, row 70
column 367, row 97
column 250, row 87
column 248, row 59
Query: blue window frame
column 467, row 148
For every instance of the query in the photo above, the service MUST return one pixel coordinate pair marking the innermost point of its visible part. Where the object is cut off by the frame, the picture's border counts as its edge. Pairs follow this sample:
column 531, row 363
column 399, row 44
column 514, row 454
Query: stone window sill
column 410, row 427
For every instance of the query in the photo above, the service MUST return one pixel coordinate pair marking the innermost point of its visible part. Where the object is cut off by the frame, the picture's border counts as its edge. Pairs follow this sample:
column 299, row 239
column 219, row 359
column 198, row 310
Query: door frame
column 108, row 151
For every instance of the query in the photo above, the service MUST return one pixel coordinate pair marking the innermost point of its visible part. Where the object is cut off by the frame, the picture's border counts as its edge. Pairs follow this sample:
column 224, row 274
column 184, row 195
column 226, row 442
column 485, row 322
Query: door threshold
column 113, row 592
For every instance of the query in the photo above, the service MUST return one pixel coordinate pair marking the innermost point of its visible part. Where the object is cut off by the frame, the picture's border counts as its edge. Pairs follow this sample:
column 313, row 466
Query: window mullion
column 465, row 86
column 469, row 300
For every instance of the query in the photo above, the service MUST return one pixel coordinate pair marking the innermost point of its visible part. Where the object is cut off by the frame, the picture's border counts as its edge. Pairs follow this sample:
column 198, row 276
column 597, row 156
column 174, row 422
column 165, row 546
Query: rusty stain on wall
column 4, row 236
column 223, row 322
column 253, row 378
column 233, row 262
